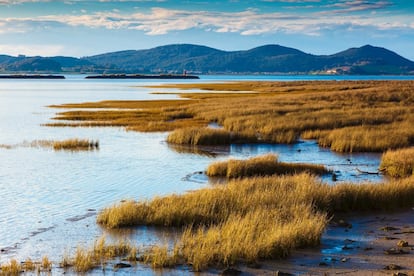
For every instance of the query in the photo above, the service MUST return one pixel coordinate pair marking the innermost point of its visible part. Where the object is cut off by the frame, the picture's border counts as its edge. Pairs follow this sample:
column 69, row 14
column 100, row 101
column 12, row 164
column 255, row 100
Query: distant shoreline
column 24, row 76
column 140, row 76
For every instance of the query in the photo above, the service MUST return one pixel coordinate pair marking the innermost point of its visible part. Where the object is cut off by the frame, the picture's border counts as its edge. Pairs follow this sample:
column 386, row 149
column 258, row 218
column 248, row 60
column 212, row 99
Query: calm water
column 49, row 199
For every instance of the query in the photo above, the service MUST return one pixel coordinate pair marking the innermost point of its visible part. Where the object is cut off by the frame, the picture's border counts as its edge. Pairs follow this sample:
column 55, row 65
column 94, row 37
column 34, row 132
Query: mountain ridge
column 200, row 59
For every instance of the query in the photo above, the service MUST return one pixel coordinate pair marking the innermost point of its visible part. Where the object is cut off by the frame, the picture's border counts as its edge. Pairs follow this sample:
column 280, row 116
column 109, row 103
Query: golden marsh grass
column 75, row 144
column 12, row 268
column 253, row 218
column 344, row 115
column 86, row 259
column 260, row 166
column 398, row 163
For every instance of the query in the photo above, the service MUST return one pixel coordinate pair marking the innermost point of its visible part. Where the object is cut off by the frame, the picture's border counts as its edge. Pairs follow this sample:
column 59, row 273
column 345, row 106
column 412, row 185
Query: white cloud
column 17, row 2
column 358, row 5
column 161, row 21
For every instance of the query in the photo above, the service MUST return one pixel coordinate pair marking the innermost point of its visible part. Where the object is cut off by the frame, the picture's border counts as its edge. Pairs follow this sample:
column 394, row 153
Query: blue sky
column 82, row 28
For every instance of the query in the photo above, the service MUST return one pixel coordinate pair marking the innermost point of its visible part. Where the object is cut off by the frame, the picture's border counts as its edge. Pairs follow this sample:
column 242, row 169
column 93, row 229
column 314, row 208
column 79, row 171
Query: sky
column 83, row 28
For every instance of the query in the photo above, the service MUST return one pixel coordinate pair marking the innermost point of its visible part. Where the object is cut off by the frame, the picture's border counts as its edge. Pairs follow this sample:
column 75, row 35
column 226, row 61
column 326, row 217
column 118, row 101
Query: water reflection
column 146, row 235
column 209, row 151
column 349, row 167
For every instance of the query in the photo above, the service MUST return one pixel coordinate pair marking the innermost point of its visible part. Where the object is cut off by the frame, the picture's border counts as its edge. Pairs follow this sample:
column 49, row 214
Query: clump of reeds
column 87, row 259
column 46, row 264
column 161, row 256
column 367, row 138
column 200, row 136
column 76, row 144
column 83, row 260
column 13, row 267
column 253, row 218
column 398, row 163
column 260, row 166
column 28, row 266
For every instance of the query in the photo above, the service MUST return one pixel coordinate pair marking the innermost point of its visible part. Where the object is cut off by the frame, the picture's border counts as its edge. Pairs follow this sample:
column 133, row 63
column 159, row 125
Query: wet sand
column 368, row 245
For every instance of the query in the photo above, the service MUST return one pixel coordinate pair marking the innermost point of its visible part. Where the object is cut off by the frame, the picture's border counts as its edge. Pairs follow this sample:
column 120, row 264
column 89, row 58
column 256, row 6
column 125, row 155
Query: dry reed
column 346, row 115
column 398, row 163
column 253, row 218
column 75, row 144
column 260, row 166
column 87, row 259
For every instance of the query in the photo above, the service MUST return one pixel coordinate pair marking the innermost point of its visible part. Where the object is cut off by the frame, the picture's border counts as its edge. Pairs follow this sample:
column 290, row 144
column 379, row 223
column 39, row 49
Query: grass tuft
column 253, row 218
column 12, row 268
column 76, row 144
column 398, row 163
column 260, row 166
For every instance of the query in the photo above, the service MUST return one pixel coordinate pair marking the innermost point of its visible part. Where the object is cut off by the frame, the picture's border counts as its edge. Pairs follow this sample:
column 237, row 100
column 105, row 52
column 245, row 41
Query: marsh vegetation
column 74, row 144
column 259, row 214
column 398, row 163
column 257, row 218
column 347, row 116
column 260, row 166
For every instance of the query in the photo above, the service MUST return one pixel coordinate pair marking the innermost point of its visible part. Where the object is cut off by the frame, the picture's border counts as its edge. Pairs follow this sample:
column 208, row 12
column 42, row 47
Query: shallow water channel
column 49, row 199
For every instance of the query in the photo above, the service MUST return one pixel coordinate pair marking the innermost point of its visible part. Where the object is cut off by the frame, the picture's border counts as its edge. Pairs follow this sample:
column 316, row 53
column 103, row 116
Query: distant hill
column 264, row 59
column 197, row 59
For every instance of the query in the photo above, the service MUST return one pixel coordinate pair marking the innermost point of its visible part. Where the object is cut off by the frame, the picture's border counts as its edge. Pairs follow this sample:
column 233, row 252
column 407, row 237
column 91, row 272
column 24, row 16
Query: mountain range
column 196, row 59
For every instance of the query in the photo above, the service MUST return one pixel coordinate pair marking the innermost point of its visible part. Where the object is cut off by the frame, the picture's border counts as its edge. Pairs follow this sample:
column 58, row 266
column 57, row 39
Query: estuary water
column 49, row 199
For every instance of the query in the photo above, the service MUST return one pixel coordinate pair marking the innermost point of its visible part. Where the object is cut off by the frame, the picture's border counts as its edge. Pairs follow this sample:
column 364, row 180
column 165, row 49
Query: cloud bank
column 161, row 21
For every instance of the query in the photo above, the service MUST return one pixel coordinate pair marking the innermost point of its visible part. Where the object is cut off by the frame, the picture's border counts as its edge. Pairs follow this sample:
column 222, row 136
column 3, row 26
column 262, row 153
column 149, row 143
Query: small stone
column 122, row 265
column 344, row 260
column 345, row 224
column 389, row 228
column 368, row 248
column 346, row 247
column 348, row 241
column 392, row 267
column 399, row 274
column 402, row 243
column 323, row 264
column 231, row 271
column 395, row 251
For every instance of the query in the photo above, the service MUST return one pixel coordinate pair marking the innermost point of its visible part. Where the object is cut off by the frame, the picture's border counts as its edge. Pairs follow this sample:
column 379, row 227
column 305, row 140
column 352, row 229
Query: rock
column 122, row 265
column 399, row 274
column 231, row 271
column 368, row 248
column 402, row 243
column 392, row 267
column 323, row 264
column 346, row 247
column 343, row 223
column 395, row 251
column 344, row 260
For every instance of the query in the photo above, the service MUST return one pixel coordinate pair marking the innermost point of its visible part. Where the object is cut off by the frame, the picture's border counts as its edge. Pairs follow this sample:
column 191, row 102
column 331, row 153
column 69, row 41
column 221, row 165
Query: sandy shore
column 380, row 244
